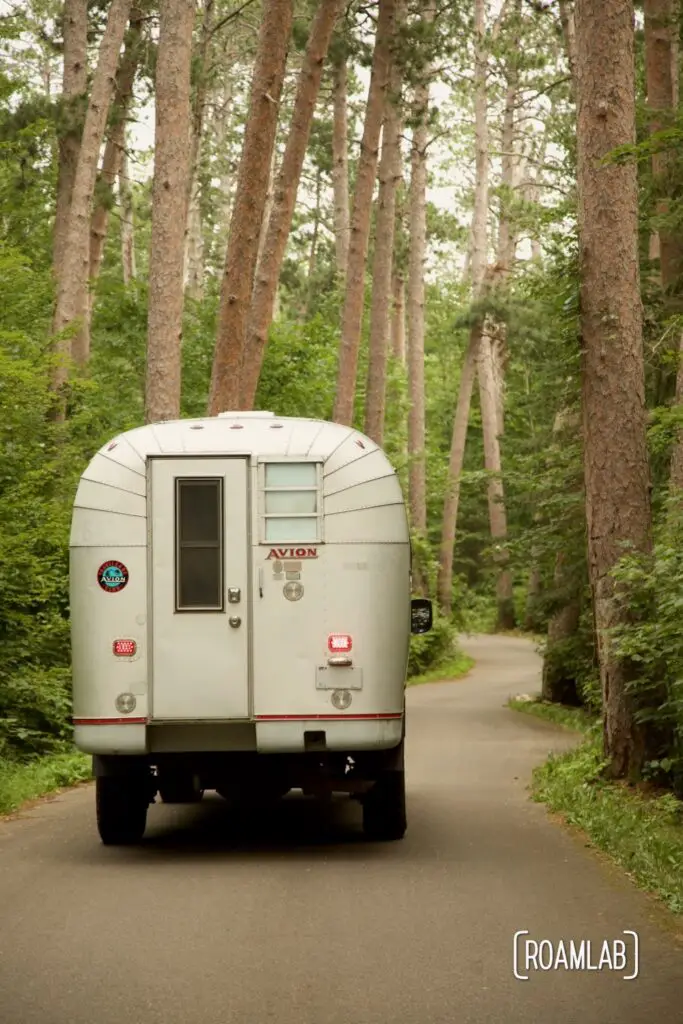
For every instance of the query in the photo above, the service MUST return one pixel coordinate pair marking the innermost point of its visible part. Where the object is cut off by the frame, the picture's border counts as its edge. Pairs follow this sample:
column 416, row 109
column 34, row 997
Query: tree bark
column 72, row 292
column 194, row 247
column 455, row 464
column 284, row 198
column 340, row 165
column 568, row 22
column 477, row 268
column 488, row 393
column 127, row 222
column 366, row 174
column 113, row 150
column 661, row 70
column 385, row 227
column 169, row 211
column 398, row 317
column 250, row 200
column 558, row 684
column 74, row 89
column 193, row 274
column 415, row 300
column 617, row 479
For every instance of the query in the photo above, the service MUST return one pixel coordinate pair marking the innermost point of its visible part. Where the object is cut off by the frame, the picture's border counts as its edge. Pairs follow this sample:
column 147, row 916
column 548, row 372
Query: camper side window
column 199, row 545
column 291, row 502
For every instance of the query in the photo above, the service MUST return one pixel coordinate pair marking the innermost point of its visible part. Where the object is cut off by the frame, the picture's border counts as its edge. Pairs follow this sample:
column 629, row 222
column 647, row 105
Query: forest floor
column 640, row 828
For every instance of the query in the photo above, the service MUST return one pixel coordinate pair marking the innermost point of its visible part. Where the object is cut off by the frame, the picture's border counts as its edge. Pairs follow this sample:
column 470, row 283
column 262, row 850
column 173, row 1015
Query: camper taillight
column 339, row 642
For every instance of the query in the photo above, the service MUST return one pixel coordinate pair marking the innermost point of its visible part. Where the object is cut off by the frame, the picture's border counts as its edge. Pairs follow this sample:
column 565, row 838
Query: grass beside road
column 639, row 828
column 577, row 719
column 21, row 782
column 454, row 668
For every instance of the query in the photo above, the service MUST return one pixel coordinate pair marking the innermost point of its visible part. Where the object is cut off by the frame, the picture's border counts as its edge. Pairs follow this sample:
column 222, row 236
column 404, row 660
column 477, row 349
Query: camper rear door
column 200, row 608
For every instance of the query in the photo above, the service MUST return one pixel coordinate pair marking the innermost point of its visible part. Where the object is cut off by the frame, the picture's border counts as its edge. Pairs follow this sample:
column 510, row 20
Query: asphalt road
column 298, row 920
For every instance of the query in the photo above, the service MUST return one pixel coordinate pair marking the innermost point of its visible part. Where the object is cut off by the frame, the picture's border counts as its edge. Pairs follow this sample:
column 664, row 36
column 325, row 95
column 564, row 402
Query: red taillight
column 124, row 648
column 339, row 642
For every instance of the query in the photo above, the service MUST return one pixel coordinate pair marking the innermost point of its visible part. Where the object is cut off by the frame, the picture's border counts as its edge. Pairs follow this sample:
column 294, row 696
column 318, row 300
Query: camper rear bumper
column 268, row 734
column 290, row 735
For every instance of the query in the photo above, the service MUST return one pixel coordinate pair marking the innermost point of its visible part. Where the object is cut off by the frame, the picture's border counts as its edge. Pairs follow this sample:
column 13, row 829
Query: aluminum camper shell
column 241, row 610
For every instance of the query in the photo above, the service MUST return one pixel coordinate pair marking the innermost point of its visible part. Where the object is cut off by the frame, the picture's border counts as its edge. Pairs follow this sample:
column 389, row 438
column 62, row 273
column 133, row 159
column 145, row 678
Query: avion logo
column 293, row 553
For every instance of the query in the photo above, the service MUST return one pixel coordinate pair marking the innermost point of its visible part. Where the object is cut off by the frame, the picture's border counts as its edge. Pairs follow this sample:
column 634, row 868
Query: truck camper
column 241, row 614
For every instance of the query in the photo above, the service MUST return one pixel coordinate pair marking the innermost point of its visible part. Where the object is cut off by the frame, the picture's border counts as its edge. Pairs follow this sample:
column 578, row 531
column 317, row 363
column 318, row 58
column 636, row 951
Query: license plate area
column 336, row 677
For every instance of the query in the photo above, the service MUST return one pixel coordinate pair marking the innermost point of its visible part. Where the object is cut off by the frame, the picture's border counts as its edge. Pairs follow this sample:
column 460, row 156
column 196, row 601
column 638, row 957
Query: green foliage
column 577, row 719
column 429, row 650
column 21, row 782
column 652, row 591
column 641, row 832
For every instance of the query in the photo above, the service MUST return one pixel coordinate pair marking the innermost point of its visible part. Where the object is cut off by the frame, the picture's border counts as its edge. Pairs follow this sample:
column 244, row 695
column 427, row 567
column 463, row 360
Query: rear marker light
column 337, row 642
column 124, row 648
column 125, row 703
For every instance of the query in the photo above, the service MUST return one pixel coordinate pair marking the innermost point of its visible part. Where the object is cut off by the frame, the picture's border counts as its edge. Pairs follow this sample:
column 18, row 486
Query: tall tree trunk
column 222, row 124
column 455, row 464
column 488, row 399
column 661, row 69
column 340, row 165
column 559, row 683
column 615, row 452
column 265, row 223
column 385, row 227
column 194, row 247
column 313, row 250
column 72, row 293
column 568, row 22
column 366, row 174
column 113, row 151
column 284, row 198
column 127, row 223
column 250, row 200
column 193, row 273
column 74, row 88
column 398, row 316
column 493, row 352
column 169, row 211
column 417, row 485
column 477, row 267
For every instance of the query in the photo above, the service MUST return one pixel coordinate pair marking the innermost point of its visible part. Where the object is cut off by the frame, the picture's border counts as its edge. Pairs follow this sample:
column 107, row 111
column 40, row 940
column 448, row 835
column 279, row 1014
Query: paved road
column 303, row 922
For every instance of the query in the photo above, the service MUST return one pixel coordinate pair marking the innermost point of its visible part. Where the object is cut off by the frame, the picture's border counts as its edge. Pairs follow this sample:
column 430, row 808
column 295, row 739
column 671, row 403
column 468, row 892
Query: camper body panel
column 243, row 686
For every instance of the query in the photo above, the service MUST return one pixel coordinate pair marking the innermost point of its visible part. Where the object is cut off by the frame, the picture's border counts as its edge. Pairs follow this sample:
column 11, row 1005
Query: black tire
column 180, row 792
column 121, row 806
column 384, row 808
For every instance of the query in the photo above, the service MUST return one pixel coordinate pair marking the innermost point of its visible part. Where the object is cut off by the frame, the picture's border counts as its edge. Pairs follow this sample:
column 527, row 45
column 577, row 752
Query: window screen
column 199, row 532
column 291, row 502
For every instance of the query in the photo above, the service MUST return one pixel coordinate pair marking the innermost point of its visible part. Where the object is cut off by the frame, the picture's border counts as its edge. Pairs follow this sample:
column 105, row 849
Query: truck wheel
column 180, row 792
column 384, row 808
column 121, row 810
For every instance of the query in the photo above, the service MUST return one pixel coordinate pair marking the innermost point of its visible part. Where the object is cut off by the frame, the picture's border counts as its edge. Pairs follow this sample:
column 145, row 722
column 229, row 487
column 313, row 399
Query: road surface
column 300, row 921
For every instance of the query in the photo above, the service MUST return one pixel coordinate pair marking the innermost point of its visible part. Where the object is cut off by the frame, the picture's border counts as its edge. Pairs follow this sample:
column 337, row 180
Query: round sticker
column 112, row 576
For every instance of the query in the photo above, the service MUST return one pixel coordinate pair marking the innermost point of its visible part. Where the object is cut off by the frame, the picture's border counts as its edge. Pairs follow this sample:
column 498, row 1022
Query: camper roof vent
column 245, row 415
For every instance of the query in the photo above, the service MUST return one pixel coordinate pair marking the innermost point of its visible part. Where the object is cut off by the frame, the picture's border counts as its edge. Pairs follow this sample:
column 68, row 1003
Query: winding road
column 298, row 920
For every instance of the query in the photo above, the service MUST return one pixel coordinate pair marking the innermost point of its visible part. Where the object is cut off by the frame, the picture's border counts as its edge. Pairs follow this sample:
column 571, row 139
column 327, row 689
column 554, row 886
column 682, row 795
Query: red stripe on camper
column 329, row 718
column 110, row 721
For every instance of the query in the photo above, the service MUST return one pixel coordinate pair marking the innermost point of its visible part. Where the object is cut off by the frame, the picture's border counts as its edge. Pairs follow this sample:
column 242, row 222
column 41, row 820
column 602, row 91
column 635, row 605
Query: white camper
column 241, row 616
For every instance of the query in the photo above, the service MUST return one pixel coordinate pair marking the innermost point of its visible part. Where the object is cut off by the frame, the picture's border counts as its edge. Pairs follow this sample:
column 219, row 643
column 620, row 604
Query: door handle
column 235, row 621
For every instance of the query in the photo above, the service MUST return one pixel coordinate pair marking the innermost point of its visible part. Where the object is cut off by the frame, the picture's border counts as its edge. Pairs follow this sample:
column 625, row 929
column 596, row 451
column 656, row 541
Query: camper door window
column 291, row 502
column 199, row 544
